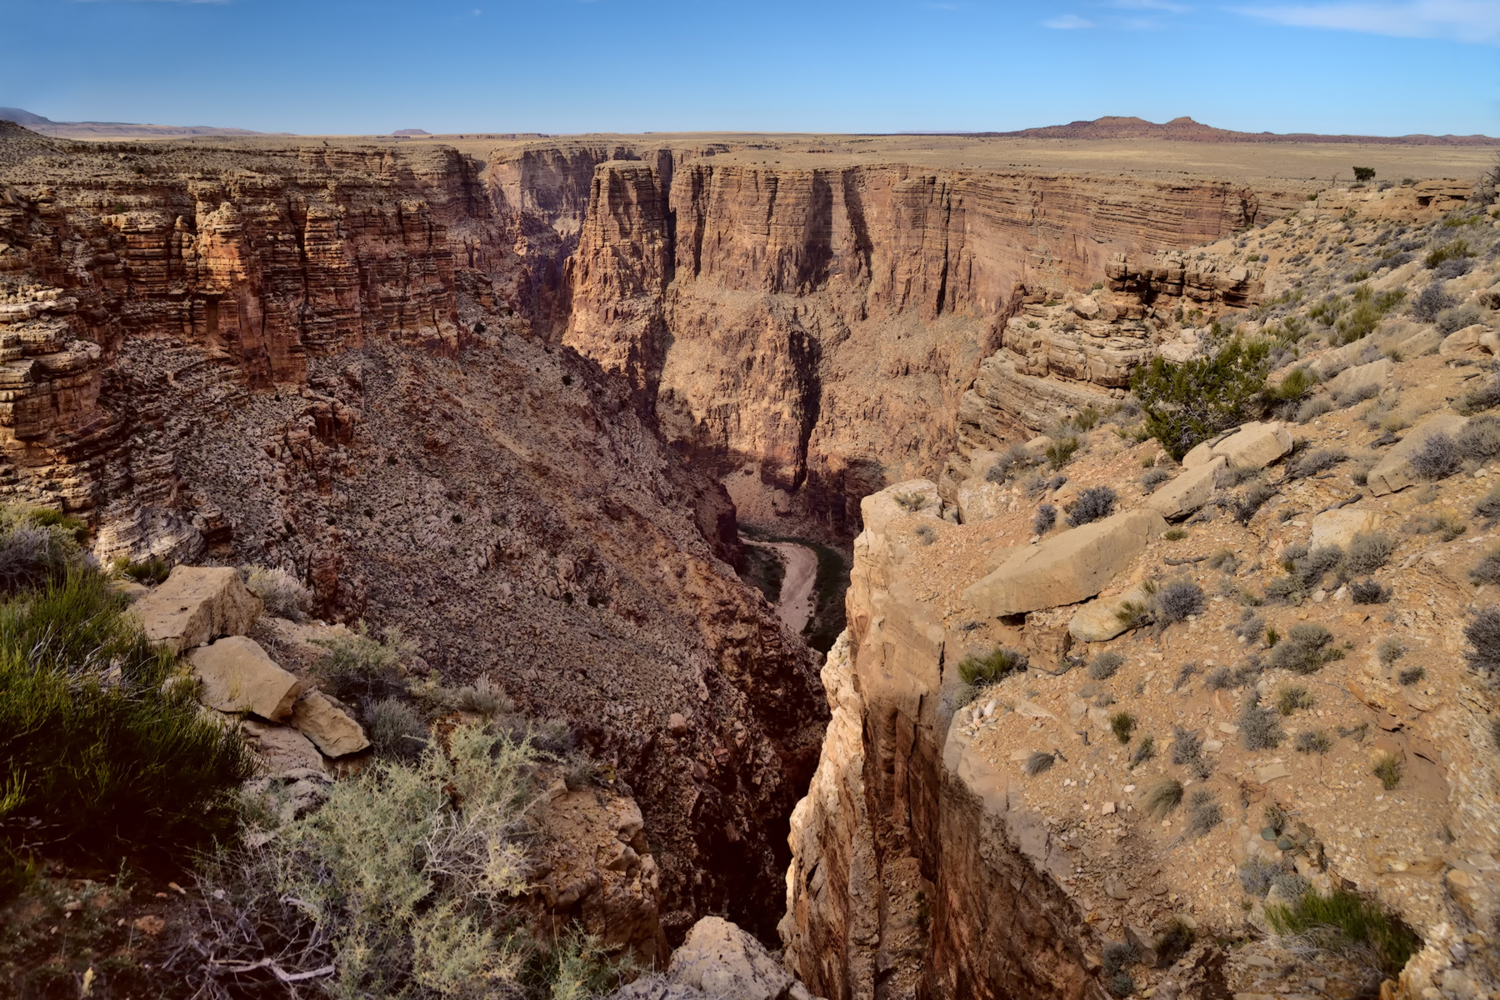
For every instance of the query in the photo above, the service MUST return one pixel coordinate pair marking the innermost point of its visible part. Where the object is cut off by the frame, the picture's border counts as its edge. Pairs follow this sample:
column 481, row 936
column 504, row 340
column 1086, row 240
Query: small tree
column 1364, row 175
column 1191, row 402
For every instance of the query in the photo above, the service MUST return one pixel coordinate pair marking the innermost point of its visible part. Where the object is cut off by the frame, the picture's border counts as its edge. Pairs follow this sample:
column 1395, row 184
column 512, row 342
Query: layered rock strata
column 299, row 357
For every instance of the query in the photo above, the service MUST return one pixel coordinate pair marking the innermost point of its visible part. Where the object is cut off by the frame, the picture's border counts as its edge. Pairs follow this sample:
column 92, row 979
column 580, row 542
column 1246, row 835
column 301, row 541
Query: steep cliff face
column 816, row 328
column 285, row 357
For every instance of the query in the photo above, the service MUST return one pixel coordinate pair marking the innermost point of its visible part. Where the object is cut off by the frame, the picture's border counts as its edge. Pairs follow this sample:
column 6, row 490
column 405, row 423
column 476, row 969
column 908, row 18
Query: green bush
column 1122, row 724
column 979, row 671
column 1162, row 797
column 1191, row 402
column 358, row 666
column 408, row 882
column 96, row 744
column 151, row 571
column 1344, row 921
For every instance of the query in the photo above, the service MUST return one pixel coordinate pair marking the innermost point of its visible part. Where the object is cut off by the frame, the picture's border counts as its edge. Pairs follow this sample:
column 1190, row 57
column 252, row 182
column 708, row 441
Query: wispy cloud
column 1475, row 21
column 1067, row 22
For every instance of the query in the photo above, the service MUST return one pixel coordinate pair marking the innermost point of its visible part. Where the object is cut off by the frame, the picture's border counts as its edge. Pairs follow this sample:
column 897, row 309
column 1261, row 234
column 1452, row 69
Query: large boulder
column 1338, row 527
column 727, row 963
column 281, row 748
column 1067, row 568
column 317, row 717
column 236, row 675
column 1189, row 491
column 1255, row 445
column 195, row 605
column 1394, row 471
column 1469, row 338
column 1362, row 377
column 1099, row 621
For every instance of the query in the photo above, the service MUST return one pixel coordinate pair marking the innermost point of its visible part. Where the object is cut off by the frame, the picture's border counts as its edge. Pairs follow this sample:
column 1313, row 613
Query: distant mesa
column 115, row 130
column 411, row 131
column 1186, row 130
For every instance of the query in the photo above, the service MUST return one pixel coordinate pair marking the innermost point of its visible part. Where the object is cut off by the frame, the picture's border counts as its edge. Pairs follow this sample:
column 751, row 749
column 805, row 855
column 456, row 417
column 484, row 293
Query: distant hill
column 1187, row 130
column 411, row 131
column 115, row 130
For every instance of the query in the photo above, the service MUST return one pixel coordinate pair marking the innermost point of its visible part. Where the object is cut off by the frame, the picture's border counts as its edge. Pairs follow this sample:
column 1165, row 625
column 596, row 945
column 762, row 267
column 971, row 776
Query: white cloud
column 1067, row 22
column 1475, row 21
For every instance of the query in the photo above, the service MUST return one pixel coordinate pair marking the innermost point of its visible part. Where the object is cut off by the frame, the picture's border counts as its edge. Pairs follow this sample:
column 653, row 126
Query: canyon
column 516, row 397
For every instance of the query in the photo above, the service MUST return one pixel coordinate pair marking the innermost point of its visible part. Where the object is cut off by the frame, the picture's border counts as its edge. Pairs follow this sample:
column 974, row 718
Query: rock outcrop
column 195, row 605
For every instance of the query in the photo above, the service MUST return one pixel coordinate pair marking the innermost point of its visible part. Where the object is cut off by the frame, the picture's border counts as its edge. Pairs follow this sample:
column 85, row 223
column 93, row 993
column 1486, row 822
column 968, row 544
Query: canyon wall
column 812, row 331
column 299, row 358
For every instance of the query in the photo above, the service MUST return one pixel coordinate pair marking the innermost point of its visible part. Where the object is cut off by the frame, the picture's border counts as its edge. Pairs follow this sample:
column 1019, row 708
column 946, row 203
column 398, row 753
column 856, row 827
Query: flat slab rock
column 1338, row 527
column 1099, row 621
column 236, row 675
column 1394, row 472
column 1190, row 490
column 317, row 717
column 1067, row 568
column 1252, row 446
column 195, row 605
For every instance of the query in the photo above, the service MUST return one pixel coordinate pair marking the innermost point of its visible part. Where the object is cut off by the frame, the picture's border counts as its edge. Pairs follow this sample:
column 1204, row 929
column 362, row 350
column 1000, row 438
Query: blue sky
column 337, row 66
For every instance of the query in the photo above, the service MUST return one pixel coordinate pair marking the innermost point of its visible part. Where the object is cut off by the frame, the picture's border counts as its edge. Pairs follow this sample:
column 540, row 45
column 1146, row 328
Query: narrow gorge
column 517, row 400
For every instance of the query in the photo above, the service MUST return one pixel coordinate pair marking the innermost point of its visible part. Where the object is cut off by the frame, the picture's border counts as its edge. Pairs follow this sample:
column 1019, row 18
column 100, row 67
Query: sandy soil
column 797, row 604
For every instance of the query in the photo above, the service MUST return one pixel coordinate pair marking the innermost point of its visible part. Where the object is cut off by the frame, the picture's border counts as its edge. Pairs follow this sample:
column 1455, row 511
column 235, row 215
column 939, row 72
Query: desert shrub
column 1455, row 319
column 1368, row 551
column 910, row 502
column 1346, row 922
column 1480, row 438
column 1203, row 813
column 1175, row 534
column 1369, row 592
column 1221, row 679
column 1305, row 649
column 36, row 547
column 1093, row 504
column 1190, row 402
column 1177, row 600
column 358, row 666
column 1390, row 650
column 1046, row 517
column 1486, row 396
column 1016, row 456
column 1312, row 741
column 483, row 697
column 1455, row 268
column 281, row 593
column 1256, row 875
column 1443, row 523
column 1436, row 458
column 1292, row 697
column 1038, row 762
column 395, row 728
column 1251, row 501
column 1144, row 751
column 1483, row 633
column 1105, row 665
column 1260, row 726
column 147, row 571
column 1488, row 507
column 1153, row 478
column 1389, row 769
column 1060, row 453
column 1187, row 746
column 1117, row 955
column 1313, row 462
column 1452, row 250
column 1122, row 724
column 1411, row 676
column 981, row 671
column 1358, row 394
column 926, row 533
column 100, row 755
column 1431, row 302
column 407, row 881
column 1223, row 561
column 1314, row 408
column 1173, row 942
column 1162, row 797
